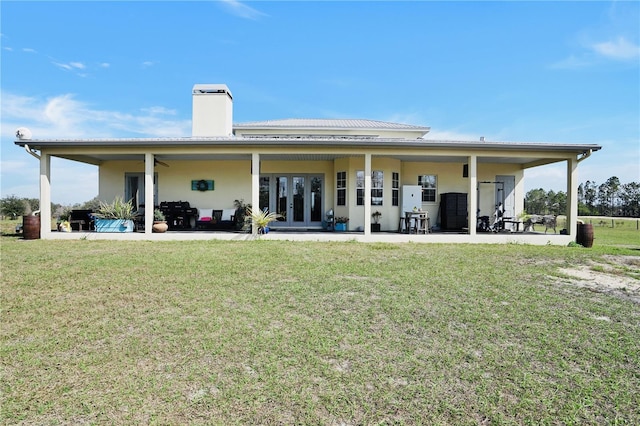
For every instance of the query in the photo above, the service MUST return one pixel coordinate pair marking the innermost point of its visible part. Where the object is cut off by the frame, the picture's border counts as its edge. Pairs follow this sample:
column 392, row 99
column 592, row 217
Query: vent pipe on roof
column 212, row 114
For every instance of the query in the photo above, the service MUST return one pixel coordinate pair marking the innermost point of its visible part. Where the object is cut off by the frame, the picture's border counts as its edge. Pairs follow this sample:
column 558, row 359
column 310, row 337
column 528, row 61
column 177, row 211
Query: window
column 341, row 187
column 377, row 187
column 395, row 189
column 429, row 185
column 360, row 188
column 264, row 193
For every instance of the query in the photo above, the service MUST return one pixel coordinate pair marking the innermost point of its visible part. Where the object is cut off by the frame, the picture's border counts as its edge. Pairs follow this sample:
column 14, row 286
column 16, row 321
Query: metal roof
column 328, row 124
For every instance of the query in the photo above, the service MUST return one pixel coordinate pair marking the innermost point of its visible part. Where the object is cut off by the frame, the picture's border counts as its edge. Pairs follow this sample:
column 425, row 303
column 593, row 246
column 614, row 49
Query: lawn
column 276, row 332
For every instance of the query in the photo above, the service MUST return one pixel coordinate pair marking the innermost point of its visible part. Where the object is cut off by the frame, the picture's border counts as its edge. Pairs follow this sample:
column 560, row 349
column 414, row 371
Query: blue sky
column 508, row 71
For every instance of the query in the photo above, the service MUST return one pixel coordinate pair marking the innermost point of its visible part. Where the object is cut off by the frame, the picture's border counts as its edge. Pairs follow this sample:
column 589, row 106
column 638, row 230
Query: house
column 305, row 168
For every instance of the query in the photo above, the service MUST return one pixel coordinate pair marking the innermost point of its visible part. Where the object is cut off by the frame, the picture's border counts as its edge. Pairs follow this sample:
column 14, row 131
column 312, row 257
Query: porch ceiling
column 100, row 158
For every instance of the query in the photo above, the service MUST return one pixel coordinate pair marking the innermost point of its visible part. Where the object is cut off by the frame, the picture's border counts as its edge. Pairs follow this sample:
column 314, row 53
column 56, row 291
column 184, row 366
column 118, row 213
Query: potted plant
column 242, row 215
column 375, row 226
column 261, row 219
column 341, row 223
column 159, row 222
column 115, row 217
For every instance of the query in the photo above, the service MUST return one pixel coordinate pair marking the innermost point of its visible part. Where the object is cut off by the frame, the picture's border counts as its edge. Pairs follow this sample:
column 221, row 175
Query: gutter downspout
column 585, row 155
column 26, row 148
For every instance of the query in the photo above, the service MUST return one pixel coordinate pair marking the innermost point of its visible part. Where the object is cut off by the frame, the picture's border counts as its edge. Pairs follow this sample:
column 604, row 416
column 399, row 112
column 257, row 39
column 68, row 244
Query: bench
column 212, row 219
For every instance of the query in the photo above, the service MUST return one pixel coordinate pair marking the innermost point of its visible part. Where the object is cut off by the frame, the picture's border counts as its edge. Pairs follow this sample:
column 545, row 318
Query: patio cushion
column 227, row 214
column 205, row 213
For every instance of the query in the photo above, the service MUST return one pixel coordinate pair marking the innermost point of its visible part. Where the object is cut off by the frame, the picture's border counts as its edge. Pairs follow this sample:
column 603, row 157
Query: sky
column 566, row 72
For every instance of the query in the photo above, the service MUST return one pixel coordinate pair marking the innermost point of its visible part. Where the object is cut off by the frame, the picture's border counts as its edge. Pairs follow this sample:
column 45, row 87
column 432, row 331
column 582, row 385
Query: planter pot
column 159, row 227
column 375, row 227
column 114, row 225
column 340, row 227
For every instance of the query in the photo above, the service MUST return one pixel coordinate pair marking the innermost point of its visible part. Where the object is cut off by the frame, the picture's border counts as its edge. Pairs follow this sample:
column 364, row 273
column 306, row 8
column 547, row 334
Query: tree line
column 610, row 198
column 13, row 207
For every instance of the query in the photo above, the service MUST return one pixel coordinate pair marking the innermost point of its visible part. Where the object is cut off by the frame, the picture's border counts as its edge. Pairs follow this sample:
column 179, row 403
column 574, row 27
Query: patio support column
column 255, row 186
column 572, row 197
column 45, row 195
column 149, row 205
column 367, row 194
column 473, row 193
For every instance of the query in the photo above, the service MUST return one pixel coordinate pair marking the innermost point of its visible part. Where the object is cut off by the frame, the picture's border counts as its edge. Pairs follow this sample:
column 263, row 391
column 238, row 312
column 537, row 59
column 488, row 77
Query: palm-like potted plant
column 159, row 222
column 261, row 219
column 115, row 217
column 341, row 223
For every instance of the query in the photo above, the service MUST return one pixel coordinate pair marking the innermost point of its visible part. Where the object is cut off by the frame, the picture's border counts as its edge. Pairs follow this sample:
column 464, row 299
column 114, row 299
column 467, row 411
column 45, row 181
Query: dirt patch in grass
column 616, row 275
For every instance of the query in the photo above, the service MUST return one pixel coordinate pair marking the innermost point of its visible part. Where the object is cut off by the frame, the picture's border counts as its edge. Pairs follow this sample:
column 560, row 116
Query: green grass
column 614, row 232
column 269, row 332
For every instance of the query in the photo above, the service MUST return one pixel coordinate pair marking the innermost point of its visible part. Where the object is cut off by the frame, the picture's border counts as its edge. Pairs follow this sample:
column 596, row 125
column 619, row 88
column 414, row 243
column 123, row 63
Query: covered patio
column 275, row 151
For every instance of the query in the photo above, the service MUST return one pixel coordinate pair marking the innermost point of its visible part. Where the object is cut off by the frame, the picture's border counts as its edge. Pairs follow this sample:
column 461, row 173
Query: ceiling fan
column 156, row 162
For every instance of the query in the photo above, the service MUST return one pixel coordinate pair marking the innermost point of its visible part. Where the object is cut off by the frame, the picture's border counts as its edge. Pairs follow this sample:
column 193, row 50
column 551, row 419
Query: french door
column 297, row 198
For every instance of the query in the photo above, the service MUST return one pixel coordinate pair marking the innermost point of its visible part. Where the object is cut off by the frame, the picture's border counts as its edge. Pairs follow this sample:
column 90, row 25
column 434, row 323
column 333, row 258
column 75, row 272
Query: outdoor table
column 421, row 220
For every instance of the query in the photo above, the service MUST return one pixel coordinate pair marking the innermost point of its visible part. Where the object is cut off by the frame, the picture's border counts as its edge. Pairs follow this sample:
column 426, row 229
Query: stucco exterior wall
column 111, row 178
column 450, row 179
column 233, row 182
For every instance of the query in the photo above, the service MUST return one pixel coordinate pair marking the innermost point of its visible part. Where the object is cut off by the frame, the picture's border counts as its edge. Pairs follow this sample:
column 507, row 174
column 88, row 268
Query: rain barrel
column 31, row 227
column 585, row 235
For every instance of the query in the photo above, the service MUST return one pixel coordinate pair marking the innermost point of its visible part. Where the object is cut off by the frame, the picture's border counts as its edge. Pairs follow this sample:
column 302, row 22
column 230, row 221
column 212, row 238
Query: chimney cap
column 202, row 89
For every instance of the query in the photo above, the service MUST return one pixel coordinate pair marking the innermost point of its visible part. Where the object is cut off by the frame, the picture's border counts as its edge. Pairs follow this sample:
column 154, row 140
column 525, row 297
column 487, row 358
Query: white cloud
column 573, row 62
column 619, row 49
column 241, row 10
column 71, row 66
column 155, row 110
column 29, row 50
column 550, row 177
column 63, row 66
column 63, row 116
column 65, row 174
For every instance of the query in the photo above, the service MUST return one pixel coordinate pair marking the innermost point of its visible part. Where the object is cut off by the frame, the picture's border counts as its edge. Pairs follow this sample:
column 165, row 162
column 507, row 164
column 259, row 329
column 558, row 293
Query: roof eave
column 374, row 142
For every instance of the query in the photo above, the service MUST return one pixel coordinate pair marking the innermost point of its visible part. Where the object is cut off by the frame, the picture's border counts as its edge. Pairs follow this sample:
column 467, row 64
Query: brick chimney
column 212, row 110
